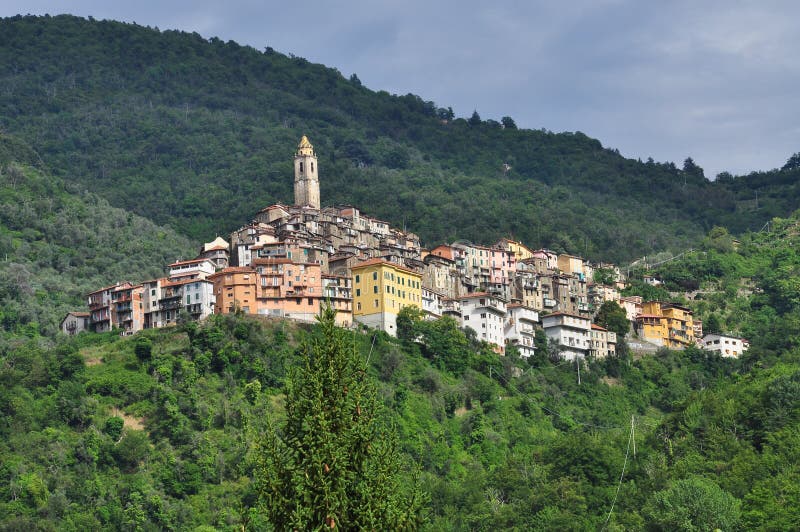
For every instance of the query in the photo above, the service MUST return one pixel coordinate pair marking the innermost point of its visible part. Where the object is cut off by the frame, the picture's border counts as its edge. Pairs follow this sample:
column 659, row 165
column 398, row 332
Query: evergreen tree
column 475, row 119
column 334, row 463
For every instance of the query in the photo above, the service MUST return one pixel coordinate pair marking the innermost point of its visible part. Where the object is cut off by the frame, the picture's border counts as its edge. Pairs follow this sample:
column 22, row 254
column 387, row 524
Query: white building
column 431, row 303
column 163, row 300
column 485, row 314
column 520, row 328
column 726, row 346
column 569, row 332
column 191, row 269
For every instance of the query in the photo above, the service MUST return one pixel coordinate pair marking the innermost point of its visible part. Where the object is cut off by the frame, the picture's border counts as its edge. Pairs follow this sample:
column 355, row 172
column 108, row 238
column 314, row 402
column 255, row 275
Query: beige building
column 570, row 264
column 603, row 343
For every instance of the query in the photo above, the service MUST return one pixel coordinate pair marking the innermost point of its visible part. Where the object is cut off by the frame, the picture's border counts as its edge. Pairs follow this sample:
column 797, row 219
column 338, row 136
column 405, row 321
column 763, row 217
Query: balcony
column 171, row 304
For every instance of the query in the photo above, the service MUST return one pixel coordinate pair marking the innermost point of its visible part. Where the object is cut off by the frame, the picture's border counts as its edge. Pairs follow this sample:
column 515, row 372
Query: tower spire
column 306, row 179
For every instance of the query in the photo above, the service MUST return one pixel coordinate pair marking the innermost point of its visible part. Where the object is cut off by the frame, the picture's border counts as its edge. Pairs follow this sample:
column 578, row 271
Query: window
column 153, row 292
column 376, row 302
column 358, row 293
column 375, row 289
column 310, row 300
column 358, row 306
column 358, row 278
column 301, row 166
column 374, row 276
column 197, row 297
column 188, row 300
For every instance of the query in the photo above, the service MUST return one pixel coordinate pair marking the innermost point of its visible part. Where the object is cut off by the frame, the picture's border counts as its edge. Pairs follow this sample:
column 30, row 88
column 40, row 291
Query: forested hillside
column 167, row 429
column 199, row 133
column 58, row 242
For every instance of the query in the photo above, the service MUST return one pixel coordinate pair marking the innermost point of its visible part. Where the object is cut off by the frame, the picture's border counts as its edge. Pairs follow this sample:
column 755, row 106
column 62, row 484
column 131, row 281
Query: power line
column 625, row 463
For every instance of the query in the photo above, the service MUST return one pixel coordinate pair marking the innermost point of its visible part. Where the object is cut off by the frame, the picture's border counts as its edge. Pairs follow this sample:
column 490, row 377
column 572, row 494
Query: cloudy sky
column 715, row 80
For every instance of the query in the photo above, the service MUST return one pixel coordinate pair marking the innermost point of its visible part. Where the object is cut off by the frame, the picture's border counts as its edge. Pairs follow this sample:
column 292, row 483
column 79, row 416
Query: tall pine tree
column 334, row 463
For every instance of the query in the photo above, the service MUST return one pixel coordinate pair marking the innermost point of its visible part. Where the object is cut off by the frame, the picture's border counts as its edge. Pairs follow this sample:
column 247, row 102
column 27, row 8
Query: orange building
column 289, row 289
column 234, row 288
column 282, row 287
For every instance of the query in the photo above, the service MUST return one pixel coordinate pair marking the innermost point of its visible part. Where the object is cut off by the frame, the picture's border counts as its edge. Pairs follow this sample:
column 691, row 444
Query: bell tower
column 306, row 182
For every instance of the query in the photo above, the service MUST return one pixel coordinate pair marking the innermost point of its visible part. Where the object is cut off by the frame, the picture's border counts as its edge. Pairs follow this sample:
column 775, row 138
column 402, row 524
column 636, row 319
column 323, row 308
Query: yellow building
column 666, row 324
column 521, row 251
column 380, row 290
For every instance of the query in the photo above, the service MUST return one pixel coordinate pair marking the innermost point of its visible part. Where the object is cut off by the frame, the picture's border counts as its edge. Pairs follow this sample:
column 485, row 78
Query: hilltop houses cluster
column 291, row 260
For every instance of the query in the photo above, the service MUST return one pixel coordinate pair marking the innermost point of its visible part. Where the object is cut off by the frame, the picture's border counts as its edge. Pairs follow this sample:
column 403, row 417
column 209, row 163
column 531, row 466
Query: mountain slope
column 57, row 244
column 199, row 134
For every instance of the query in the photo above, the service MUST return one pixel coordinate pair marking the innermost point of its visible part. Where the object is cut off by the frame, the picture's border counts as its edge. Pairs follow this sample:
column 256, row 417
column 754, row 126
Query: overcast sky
column 715, row 80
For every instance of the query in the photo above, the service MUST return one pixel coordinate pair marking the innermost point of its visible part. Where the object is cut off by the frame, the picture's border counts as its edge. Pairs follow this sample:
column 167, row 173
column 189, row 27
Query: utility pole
column 578, row 365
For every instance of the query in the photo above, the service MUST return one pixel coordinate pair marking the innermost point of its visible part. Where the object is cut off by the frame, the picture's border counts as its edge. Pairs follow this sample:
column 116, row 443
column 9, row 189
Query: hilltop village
column 291, row 260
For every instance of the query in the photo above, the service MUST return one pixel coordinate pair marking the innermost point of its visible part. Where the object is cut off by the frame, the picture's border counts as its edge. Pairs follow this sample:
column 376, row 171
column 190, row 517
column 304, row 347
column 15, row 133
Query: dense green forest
column 198, row 133
column 169, row 429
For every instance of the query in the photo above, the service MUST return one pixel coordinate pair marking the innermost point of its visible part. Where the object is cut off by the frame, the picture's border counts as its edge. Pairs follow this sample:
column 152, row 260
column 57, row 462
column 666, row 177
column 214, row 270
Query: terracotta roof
column 475, row 294
column 79, row 314
column 598, row 328
column 376, row 262
column 232, row 269
column 184, row 281
column 649, row 316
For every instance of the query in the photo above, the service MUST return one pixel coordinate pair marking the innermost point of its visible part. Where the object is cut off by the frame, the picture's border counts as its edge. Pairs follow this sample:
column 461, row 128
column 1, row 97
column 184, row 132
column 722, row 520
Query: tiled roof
column 376, row 262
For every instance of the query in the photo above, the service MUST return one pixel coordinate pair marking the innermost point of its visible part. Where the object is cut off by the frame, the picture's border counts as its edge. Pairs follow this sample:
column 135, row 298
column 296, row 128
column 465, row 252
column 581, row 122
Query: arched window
column 301, row 167
column 312, row 168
